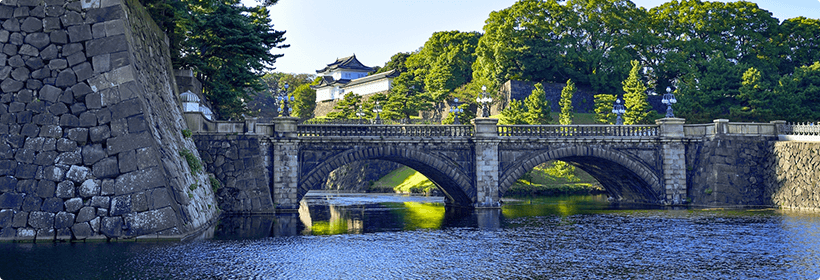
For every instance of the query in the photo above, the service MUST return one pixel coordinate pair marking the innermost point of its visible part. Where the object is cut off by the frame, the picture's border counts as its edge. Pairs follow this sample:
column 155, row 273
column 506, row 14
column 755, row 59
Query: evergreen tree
column 304, row 102
column 229, row 47
column 514, row 113
column 566, row 115
column 638, row 110
column 753, row 100
column 538, row 108
column 603, row 108
column 346, row 108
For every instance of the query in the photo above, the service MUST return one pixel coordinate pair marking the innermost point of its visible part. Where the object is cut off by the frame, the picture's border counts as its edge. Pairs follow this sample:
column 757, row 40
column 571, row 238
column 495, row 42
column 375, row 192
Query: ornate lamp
column 669, row 99
column 619, row 110
column 360, row 113
column 485, row 101
column 284, row 99
column 455, row 110
column 378, row 109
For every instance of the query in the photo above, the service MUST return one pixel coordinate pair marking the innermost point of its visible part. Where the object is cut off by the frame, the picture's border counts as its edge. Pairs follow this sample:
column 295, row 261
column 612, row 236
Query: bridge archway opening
column 622, row 180
column 451, row 182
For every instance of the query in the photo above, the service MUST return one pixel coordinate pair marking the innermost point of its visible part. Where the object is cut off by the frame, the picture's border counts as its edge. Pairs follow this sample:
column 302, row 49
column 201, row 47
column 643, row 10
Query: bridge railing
column 570, row 131
column 802, row 128
column 342, row 130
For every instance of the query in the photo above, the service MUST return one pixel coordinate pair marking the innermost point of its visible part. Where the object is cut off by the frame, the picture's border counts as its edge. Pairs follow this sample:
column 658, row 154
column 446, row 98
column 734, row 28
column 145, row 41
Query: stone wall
column 241, row 163
column 795, row 180
column 729, row 170
column 90, row 126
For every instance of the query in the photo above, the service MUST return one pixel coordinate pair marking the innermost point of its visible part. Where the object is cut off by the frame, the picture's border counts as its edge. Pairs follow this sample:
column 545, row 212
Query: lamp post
column 360, row 114
column 484, row 100
column 455, row 110
column 669, row 99
column 377, row 109
column 284, row 99
column 619, row 110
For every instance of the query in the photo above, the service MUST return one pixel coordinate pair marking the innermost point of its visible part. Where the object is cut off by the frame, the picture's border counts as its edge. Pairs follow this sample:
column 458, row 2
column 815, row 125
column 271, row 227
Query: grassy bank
column 403, row 180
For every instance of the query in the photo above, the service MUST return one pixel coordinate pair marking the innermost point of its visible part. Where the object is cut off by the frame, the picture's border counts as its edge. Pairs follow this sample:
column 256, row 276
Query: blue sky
column 319, row 31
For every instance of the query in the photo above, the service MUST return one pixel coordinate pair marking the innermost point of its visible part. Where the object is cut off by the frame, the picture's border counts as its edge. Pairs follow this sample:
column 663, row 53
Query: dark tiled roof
column 389, row 74
column 349, row 62
column 329, row 81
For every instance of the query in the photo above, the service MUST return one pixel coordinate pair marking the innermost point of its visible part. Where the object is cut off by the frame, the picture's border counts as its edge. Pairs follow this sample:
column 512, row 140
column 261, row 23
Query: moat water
column 383, row 236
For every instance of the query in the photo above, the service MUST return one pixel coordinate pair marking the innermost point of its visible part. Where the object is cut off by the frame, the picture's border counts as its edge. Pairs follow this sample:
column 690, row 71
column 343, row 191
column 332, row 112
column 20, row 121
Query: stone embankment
column 90, row 126
column 796, row 180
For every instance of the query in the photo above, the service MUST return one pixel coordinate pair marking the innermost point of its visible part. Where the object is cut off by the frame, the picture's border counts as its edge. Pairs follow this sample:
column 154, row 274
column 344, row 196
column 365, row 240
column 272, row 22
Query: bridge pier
column 285, row 161
column 486, row 163
column 674, row 160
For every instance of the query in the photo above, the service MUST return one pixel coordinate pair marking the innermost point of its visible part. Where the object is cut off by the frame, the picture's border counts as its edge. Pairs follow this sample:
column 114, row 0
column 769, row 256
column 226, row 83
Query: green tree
column 799, row 40
column 346, row 108
column 753, row 99
column 230, row 48
column 304, row 102
column 538, row 107
column 566, row 115
column 514, row 113
column 604, row 104
column 797, row 96
column 444, row 63
column 638, row 110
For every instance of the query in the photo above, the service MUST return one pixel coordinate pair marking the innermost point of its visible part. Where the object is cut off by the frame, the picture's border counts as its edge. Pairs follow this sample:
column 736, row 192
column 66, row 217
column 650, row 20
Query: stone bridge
column 269, row 166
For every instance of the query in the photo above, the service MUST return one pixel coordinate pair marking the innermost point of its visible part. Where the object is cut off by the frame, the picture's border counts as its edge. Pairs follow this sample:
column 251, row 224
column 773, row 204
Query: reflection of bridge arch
column 442, row 171
column 623, row 178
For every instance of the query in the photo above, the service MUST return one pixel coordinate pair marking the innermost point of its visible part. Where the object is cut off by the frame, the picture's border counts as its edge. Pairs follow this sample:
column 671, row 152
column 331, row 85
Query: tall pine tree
column 538, row 107
column 566, row 115
column 638, row 110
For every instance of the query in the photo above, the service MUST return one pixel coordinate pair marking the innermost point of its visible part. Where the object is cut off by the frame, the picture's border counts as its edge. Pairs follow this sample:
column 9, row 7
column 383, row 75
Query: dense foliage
column 226, row 43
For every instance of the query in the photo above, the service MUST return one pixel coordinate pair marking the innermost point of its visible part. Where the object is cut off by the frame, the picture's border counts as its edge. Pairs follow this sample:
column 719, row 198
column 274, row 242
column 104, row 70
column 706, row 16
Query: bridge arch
column 623, row 178
column 446, row 174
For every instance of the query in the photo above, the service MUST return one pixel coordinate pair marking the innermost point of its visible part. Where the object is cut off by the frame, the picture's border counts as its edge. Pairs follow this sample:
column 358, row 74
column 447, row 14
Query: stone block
column 106, row 168
column 92, row 154
column 94, row 100
column 78, row 108
column 78, row 174
column 11, row 201
column 139, row 202
column 126, row 109
column 25, row 171
column 63, row 234
column 45, row 158
column 10, row 85
column 100, row 202
column 127, row 161
column 99, row 133
column 111, row 226
column 6, row 217
column 26, row 234
column 75, row 59
column 25, row 155
column 90, row 188
column 20, row 219
column 120, row 205
column 79, row 33
column 7, row 184
column 98, row 30
column 29, row 50
column 119, row 127
column 68, row 121
column 38, row 40
column 51, row 131
column 80, row 90
column 138, row 181
column 66, row 78
column 73, row 205
column 90, row 4
column 88, row 119
column 82, row 231
column 95, row 223
column 150, row 221
column 6, row 12
column 12, row 25
column 53, row 173
column 52, row 205
column 31, row 25
column 159, row 198
column 45, row 234
column 52, row 23
column 58, row 109
column 65, row 144
column 101, row 63
column 83, row 71
column 86, row 214
column 105, row 45
column 46, row 188
column 108, row 187
column 128, row 142
column 114, row 27
column 120, row 59
column 69, row 158
column 104, row 117
column 65, row 189
column 41, row 220
column 58, row 37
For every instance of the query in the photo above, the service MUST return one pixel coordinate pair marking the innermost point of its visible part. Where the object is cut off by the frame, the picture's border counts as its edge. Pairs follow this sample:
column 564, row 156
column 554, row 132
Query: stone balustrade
column 563, row 131
column 323, row 130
